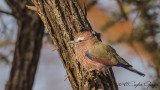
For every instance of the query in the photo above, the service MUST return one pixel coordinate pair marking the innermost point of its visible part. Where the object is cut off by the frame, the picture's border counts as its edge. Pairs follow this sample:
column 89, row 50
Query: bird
column 94, row 54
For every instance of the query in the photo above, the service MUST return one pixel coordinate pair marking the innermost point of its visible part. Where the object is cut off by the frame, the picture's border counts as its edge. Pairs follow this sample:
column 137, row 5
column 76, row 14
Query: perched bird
column 94, row 54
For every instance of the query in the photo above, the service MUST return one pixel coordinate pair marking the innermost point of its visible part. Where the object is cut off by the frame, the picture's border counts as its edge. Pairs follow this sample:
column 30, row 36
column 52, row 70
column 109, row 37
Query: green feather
column 103, row 51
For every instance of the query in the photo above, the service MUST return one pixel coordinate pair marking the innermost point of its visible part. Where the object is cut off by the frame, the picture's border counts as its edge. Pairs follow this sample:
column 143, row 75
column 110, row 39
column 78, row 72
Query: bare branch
column 5, row 12
column 122, row 9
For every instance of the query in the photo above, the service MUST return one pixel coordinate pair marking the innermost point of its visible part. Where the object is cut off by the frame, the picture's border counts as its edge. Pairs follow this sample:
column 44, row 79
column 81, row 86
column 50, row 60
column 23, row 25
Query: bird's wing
column 103, row 51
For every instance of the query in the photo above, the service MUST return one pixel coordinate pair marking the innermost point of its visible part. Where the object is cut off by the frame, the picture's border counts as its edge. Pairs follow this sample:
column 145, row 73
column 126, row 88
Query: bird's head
column 82, row 37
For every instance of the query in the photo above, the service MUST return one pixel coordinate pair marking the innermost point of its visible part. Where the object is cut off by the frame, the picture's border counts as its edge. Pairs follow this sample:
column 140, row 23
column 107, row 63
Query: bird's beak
column 71, row 42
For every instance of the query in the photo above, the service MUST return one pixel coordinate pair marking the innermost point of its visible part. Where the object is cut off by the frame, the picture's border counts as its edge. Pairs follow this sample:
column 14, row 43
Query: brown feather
column 82, row 47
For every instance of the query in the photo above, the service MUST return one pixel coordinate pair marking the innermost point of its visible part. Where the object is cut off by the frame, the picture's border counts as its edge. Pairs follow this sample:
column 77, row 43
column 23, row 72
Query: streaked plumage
column 93, row 54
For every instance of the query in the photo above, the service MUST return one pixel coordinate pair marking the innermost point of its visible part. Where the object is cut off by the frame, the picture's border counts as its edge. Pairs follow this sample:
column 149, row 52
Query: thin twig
column 33, row 8
column 4, row 58
column 3, row 26
column 122, row 10
column 134, row 20
column 5, row 12
column 54, row 49
column 66, row 77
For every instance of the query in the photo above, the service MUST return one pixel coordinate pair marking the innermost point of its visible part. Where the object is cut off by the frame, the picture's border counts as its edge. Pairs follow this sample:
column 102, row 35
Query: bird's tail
column 134, row 70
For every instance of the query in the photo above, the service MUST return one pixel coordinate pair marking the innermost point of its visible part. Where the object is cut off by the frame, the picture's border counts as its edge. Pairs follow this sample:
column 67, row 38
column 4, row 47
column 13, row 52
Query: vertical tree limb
column 27, row 48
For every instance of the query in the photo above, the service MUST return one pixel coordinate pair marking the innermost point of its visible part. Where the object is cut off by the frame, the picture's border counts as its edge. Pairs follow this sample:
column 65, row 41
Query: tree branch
column 122, row 9
column 5, row 12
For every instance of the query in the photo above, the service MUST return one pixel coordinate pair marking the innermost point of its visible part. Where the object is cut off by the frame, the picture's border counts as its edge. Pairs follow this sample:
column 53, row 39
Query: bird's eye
column 80, row 40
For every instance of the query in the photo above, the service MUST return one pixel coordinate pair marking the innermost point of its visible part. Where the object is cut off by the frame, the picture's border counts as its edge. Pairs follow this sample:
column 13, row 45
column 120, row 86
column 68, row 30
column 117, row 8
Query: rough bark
column 63, row 19
column 27, row 48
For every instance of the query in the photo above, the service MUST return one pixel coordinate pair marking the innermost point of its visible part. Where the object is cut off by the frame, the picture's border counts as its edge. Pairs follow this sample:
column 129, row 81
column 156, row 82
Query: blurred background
column 131, row 27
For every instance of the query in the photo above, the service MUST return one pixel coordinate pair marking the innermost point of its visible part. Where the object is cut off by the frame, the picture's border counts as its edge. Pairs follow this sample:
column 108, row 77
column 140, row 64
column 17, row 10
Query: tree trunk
column 63, row 19
column 27, row 48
